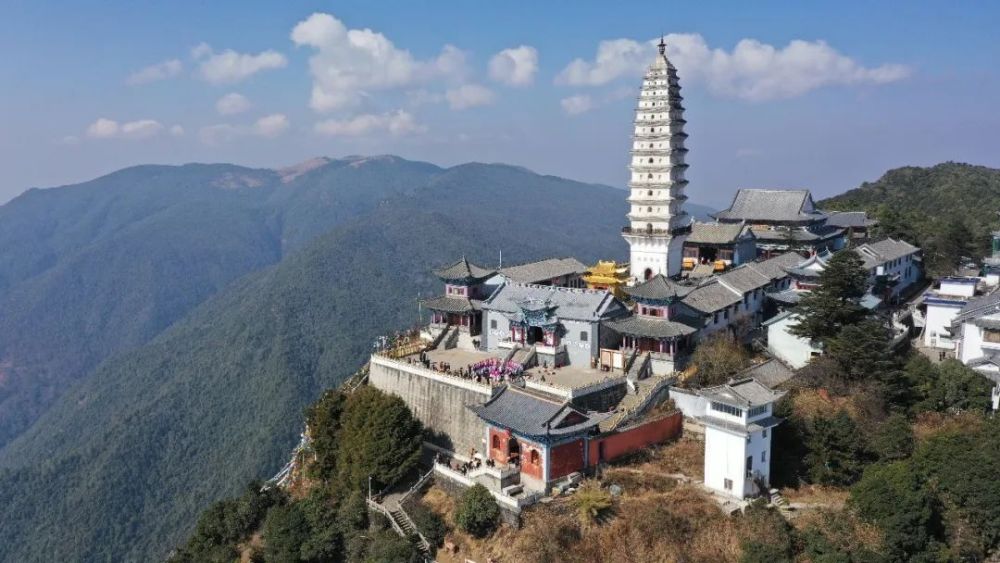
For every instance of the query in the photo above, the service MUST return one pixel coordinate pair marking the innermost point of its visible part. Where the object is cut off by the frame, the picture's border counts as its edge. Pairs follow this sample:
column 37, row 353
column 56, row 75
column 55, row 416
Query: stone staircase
column 634, row 403
column 778, row 500
column 639, row 367
column 527, row 357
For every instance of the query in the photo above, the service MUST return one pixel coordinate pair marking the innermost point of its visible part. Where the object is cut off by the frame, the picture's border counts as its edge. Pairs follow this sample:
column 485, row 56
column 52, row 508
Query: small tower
column 738, row 420
column 658, row 224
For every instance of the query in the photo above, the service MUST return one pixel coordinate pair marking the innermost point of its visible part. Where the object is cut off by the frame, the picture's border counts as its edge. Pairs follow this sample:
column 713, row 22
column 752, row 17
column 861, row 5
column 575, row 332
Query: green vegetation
column 152, row 436
column 477, row 512
column 718, row 357
column 948, row 210
column 833, row 306
column 331, row 523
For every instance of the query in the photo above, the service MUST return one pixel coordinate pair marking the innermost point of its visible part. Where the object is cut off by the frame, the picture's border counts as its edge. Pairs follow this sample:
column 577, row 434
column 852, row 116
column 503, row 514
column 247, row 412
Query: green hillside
column 949, row 210
column 153, row 435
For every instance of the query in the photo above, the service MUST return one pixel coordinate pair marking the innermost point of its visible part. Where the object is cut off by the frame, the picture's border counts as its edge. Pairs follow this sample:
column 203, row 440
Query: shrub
column 477, row 512
column 428, row 522
column 591, row 502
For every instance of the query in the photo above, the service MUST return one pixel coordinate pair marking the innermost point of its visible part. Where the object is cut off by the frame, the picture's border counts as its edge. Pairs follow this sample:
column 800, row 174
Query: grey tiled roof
column 822, row 232
column 451, row 304
column 774, row 267
column 787, row 297
column 711, row 296
column 533, row 415
column 744, row 278
column 878, row 253
column 744, row 393
column 463, row 270
column 576, row 304
column 659, row 287
column 637, row 325
column 716, row 233
column 849, row 219
column 987, row 366
column 978, row 307
column 993, row 324
column 761, row 205
column 544, row 270
column 755, row 426
column 771, row 373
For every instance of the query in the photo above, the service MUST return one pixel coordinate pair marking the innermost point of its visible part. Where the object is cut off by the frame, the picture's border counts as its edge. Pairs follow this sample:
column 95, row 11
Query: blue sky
column 782, row 94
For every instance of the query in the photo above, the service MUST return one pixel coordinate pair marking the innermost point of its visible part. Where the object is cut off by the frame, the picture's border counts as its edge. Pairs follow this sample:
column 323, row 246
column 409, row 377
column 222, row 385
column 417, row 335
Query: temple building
column 662, row 326
column 609, row 276
column 857, row 224
column 465, row 288
column 556, row 326
column 783, row 220
column 721, row 245
column 658, row 224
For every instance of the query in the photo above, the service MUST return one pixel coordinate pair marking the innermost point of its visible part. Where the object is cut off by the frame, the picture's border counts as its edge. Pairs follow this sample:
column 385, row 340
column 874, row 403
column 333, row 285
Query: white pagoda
column 658, row 224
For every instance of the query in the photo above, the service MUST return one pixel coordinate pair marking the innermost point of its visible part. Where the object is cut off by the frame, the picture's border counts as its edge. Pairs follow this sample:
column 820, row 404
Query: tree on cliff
column 834, row 304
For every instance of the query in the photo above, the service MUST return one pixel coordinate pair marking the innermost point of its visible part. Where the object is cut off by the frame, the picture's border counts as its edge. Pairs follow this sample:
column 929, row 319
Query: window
column 763, row 456
column 749, row 465
column 727, row 484
column 533, row 457
column 583, row 336
column 728, row 409
column 757, row 411
column 496, row 442
column 764, row 433
column 493, row 323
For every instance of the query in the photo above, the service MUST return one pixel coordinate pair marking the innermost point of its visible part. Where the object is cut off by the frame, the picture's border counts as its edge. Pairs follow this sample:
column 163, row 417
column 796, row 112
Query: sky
column 810, row 95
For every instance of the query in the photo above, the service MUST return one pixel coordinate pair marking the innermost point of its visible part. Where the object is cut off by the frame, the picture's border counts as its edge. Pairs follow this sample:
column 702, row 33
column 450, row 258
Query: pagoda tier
column 657, row 220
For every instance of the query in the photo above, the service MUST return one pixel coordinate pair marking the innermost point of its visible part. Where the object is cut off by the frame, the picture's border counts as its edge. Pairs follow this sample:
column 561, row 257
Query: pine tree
column 834, row 304
column 837, row 452
column 861, row 351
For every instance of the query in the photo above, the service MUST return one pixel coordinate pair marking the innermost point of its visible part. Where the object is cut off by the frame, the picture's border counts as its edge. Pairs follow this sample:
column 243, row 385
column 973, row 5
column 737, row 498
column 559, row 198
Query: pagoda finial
column 663, row 46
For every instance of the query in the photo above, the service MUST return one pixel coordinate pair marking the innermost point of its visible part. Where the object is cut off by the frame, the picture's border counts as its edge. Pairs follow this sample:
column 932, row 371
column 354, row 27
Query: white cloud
column 349, row 63
column 232, row 103
column 229, row 66
column 396, row 123
column 141, row 129
column 575, row 105
column 271, row 126
column 177, row 131
column 615, row 58
column 469, row 96
column 751, row 71
column 516, row 66
column 105, row 128
column 153, row 73
column 268, row 127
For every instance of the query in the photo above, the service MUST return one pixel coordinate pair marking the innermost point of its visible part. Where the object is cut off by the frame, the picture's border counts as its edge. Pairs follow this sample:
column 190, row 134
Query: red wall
column 621, row 443
column 532, row 469
column 566, row 459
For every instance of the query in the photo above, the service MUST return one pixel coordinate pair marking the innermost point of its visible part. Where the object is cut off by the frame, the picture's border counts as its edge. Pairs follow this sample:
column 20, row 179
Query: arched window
column 648, row 273
column 650, row 192
column 649, row 210
column 533, row 457
column 496, row 442
column 649, row 176
column 650, row 160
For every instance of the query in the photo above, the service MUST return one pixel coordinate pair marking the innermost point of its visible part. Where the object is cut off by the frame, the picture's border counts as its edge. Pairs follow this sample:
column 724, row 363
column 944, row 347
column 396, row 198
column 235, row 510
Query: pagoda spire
column 658, row 224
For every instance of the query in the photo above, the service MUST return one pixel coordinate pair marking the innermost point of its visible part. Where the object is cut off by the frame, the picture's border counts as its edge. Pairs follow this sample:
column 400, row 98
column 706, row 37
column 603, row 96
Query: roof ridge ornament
column 662, row 45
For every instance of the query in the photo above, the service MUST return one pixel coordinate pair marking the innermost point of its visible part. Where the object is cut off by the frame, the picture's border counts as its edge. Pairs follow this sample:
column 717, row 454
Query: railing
column 672, row 232
column 417, row 486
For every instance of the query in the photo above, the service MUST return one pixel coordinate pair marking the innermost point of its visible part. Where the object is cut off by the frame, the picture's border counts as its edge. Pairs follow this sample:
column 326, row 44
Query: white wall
column 962, row 288
column 793, row 350
column 938, row 318
column 725, row 458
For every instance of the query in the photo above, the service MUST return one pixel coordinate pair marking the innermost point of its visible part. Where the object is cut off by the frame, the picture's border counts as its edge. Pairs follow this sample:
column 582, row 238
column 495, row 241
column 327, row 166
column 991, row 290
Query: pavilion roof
column 463, row 270
column 659, row 288
column 717, row 233
column 651, row 327
column 744, row 393
column 452, row 304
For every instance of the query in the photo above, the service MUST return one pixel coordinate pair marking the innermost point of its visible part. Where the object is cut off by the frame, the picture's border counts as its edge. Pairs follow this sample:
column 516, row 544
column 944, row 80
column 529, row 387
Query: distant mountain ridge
column 161, row 327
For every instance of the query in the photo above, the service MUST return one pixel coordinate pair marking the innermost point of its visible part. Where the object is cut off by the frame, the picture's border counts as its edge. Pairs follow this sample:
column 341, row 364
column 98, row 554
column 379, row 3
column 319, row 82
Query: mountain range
column 162, row 327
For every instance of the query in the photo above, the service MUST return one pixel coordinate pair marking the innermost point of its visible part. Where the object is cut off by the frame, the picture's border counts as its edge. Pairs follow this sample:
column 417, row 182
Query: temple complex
column 529, row 376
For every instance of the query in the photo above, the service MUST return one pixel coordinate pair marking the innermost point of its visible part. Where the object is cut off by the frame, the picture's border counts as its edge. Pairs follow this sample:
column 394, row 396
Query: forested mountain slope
column 155, row 434
column 948, row 210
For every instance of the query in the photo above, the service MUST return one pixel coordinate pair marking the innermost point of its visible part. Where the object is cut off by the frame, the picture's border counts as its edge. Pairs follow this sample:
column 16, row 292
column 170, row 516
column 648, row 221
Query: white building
column 976, row 332
column 738, row 420
column 943, row 305
column 658, row 224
